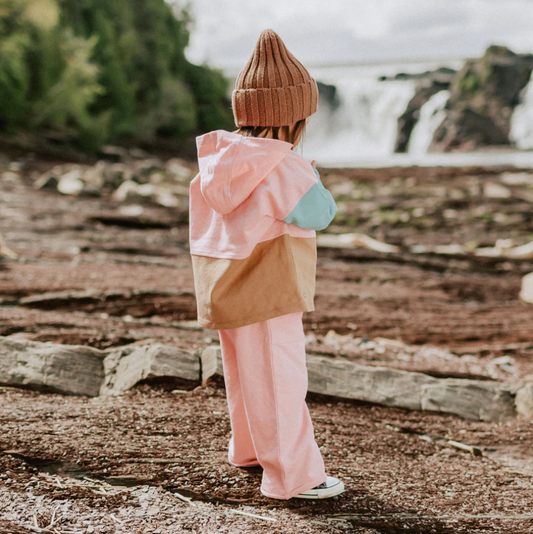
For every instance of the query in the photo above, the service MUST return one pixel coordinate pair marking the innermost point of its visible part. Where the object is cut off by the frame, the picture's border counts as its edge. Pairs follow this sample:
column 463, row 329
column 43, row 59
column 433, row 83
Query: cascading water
column 432, row 114
column 364, row 123
column 522, row 119
column 357, row 120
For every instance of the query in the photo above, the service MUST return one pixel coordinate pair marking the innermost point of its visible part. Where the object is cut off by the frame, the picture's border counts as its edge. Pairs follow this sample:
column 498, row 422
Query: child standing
column 254, row 209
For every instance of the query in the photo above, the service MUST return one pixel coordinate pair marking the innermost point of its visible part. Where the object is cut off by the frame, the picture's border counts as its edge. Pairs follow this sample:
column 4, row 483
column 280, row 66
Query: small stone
column 495, row 190
column 71, row 183
column 526, row 292
column 517, row 178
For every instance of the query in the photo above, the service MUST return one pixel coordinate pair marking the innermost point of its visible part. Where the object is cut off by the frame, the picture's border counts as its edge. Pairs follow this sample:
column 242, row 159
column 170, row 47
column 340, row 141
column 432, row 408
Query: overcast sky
column 336, row 31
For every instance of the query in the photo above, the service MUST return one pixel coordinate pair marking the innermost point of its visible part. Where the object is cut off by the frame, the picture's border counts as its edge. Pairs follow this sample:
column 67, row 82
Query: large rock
column 409, row 118
column 465, row 129
column 126, row 366
column 329, row 95
column 483, row 96
column 80, row 370
column 471, row 399
column 380, row 385
column 70, row 369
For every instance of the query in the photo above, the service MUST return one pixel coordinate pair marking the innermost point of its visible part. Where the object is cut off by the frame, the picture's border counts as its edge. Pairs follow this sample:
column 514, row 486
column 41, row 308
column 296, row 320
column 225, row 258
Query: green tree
column 96, row 71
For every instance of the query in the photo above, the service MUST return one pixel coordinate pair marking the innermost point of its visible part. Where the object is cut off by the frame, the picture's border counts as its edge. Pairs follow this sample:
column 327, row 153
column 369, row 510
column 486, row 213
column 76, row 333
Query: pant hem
column 244, row 465
column 299, row 489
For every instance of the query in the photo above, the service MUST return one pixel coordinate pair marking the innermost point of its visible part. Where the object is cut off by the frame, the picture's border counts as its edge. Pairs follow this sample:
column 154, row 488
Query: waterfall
column 432, row 114
column 363, row 124
column 522, row 119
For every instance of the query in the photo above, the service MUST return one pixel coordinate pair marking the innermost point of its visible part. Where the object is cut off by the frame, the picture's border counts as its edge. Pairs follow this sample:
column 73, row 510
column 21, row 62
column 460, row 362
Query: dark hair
column 288, row 133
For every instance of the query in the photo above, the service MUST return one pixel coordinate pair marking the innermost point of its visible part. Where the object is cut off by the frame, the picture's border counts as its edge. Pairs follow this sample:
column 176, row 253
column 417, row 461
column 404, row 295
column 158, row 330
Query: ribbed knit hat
column 273, row 88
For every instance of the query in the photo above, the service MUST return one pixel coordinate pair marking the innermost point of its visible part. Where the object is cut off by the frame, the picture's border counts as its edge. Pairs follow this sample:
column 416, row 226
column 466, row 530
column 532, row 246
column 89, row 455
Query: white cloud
column 319, row 31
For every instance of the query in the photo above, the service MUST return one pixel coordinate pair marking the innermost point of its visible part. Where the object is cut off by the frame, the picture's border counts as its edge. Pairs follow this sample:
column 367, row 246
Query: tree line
column 90, row 72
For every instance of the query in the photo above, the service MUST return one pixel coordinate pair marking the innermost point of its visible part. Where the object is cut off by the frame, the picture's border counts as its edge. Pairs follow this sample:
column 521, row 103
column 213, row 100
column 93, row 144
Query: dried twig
column 189, row 501
column 53, row 520
column 117, row 519
column 264, row 518
column 92, row 480
column 38, row 529
column 181, row 497
column 474, row 451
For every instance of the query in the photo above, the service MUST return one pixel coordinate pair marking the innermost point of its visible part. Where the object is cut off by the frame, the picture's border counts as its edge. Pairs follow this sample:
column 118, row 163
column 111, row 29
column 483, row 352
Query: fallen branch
column 474, row 451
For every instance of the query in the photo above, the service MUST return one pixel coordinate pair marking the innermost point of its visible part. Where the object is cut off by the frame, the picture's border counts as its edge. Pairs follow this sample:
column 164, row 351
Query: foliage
column 94, row 71
column 469, row 82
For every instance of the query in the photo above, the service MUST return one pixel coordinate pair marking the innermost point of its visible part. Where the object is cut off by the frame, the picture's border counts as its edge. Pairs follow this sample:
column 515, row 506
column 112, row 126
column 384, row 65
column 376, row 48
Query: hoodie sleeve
column 293, row 193
column 315, row 210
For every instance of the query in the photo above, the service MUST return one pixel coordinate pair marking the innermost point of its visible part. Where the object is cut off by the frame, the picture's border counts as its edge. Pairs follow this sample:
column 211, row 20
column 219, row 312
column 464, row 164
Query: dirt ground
column 97, row 272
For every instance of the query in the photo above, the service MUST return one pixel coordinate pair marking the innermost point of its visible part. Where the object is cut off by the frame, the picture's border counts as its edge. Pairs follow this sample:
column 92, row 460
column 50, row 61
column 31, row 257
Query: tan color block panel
column 277, row 278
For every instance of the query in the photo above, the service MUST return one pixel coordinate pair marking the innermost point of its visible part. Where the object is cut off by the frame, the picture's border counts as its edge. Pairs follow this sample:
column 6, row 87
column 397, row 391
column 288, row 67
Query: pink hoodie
column 249, row 265
column 245, row 187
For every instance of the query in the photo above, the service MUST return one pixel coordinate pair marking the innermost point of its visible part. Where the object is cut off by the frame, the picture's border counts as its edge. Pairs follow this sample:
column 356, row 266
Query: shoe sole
column 326, row 493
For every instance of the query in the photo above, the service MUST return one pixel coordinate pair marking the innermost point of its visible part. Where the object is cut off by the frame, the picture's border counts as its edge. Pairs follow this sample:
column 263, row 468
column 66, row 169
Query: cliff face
column 483, row 95
column 427, row 85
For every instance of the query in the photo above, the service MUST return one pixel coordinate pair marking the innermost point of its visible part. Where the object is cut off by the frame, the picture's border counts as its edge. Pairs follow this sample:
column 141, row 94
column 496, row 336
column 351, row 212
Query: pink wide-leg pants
column 266, row 383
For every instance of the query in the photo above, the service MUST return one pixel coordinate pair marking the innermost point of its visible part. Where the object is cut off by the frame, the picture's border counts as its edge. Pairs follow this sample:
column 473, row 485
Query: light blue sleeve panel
column 315, row 210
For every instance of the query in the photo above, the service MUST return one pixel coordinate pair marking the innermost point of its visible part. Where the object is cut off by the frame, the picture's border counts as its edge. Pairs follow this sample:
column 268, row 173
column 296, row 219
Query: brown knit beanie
column 273, row 88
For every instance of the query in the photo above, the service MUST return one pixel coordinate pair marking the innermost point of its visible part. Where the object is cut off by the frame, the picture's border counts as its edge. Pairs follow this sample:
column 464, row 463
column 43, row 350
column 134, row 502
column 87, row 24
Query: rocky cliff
column 427, row 84
column 483, row 96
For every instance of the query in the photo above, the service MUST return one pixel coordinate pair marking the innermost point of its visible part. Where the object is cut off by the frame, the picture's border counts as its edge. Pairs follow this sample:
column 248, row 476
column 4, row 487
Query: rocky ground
column 89, row 260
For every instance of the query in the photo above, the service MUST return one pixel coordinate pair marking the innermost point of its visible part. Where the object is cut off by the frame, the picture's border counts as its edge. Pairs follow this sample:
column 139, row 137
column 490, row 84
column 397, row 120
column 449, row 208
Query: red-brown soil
column 457, row 315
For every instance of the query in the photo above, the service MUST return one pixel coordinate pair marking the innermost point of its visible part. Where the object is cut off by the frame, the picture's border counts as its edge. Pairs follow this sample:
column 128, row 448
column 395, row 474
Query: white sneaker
column 331, row 487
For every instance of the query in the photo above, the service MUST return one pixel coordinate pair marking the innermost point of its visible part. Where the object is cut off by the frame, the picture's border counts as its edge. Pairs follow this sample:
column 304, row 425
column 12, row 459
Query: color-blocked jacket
column 253, row 211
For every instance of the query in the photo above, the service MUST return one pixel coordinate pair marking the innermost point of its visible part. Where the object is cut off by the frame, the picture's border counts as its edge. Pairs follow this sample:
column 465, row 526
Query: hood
column 232, row 166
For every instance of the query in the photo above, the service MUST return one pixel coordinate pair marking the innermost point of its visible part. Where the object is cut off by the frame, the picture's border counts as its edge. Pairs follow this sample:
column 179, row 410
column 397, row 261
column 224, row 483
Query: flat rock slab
column 81, row 370
column 470, row 399
column 69, row 369
column 126, row 366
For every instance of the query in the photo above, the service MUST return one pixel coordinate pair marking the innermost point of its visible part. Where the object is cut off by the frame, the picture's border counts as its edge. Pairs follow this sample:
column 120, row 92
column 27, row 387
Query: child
column 254, row 209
